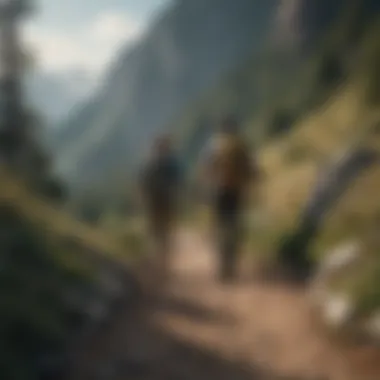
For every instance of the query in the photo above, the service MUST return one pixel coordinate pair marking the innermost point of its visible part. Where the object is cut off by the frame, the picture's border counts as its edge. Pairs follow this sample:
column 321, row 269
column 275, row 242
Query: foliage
column 282, row 122
column 43, row 263
column 54, row 190
column 343, row 114
column 35, row 274
column 331, row 72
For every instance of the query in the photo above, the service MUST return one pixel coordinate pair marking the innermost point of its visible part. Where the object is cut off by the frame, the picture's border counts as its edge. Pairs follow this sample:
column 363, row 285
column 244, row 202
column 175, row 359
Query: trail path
column 200, row 329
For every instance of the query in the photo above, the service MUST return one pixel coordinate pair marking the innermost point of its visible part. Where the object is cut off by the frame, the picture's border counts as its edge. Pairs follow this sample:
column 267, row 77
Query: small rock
column 341, row 257
column 372, row 326
column 337, row 310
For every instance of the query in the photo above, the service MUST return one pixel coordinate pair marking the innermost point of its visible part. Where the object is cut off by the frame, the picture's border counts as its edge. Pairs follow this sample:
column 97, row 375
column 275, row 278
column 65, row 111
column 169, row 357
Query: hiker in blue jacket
column 160, row 185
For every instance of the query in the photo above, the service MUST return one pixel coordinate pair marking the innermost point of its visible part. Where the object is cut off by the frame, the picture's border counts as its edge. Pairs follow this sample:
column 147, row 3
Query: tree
column 13, row 118
column 21, row 127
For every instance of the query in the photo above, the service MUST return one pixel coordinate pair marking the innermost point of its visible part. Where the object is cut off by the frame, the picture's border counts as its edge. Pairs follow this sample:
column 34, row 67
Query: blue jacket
column 161, row 179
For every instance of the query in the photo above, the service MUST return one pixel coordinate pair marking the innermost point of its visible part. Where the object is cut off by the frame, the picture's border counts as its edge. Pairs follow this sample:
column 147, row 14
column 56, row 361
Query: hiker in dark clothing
column 160, row 183
column 230, row 169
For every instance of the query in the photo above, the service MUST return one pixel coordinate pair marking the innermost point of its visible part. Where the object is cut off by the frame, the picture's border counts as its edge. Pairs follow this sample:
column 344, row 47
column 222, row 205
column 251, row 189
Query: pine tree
column 13, row 116
column 19, row 145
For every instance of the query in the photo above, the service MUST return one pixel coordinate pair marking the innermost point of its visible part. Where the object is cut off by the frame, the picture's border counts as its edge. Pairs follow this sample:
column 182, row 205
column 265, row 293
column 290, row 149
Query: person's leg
column 157, row 237
column 166, row 245
column 232, row 242
column 219, row 217
column 164, row 224
column 228, row 234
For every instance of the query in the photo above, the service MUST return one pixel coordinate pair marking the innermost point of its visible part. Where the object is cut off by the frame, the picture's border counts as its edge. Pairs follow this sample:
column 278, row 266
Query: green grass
column 291, row 162
column 44, row 252
column 32, row 310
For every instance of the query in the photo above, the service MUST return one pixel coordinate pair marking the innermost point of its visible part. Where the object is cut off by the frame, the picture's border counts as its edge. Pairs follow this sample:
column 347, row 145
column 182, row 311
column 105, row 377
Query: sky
column 84, row 35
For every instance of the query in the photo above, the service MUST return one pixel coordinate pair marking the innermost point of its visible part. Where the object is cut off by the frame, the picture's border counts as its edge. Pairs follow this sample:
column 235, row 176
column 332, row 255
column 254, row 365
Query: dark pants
column 228, row 207
column 161, row 218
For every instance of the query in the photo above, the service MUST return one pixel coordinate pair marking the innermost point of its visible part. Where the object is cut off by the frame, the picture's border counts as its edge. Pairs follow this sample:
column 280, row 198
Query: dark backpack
column 161, row 179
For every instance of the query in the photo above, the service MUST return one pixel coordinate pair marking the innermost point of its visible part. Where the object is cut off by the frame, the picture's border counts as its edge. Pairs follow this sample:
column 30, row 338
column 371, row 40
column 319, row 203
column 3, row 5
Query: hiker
column 160, row 182
column 229, row 169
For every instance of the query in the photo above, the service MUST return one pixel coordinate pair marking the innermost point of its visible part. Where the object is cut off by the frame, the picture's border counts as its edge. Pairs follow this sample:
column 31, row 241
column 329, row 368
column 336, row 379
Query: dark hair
column 230, row 124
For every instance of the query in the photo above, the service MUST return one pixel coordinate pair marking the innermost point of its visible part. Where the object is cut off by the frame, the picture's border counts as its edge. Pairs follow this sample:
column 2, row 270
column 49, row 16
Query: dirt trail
column 200, row 329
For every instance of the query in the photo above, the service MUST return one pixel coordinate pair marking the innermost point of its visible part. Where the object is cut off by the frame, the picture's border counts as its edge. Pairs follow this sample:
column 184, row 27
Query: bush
column 54, row 190
column 294, row 252
column 90, row 213
column 33, row 314
column 297, row 153
column 373, row 91
column 281, row 123
column 331, row 71
column 367, row 289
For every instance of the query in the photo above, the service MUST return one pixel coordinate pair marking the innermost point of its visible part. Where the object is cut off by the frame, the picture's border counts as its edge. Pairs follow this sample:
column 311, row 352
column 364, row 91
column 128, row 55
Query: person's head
column 230, row 125
column 162, row 145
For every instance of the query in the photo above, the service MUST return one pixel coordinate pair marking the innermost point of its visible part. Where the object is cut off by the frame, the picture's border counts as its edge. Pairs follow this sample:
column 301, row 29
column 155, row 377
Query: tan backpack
column 231, row 161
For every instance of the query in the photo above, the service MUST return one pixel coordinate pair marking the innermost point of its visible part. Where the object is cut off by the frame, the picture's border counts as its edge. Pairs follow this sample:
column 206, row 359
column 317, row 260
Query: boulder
column 338, row 309
column 335, row 308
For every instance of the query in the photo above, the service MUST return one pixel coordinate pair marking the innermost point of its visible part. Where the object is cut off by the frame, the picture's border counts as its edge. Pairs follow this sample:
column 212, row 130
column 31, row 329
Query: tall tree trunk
column 13, row 126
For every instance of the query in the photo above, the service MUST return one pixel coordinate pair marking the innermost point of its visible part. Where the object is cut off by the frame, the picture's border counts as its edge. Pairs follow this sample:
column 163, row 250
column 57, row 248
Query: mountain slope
column 273, row 90
column 190, row 48
column 200, row 60
column 54, row 95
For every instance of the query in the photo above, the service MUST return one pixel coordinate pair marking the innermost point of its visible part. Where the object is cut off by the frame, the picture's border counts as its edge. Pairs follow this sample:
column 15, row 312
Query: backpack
column 160, row 180
column 231, row 162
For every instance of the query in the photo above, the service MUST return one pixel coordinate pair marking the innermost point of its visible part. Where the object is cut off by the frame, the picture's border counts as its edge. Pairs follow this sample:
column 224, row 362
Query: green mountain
column 281, row 84
column 201, row 59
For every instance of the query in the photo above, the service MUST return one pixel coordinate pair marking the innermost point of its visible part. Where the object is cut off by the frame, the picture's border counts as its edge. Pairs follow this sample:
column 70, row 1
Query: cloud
column 114, row 28
column 90, row 48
